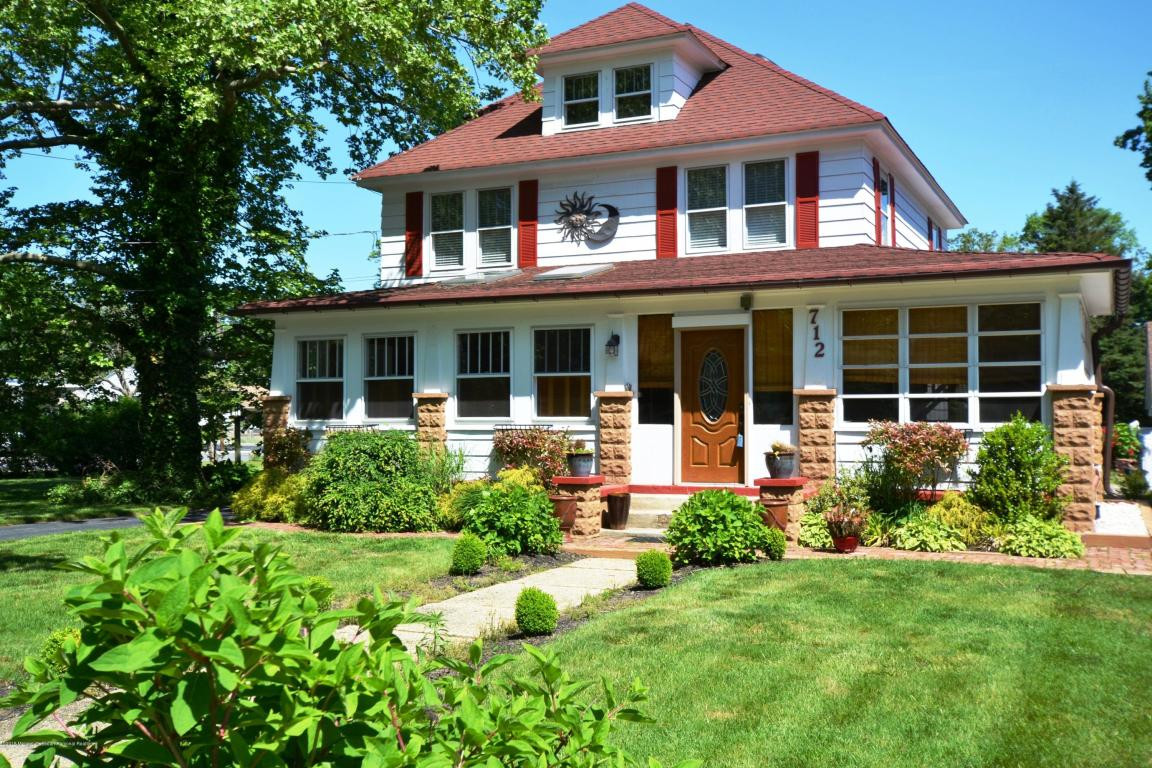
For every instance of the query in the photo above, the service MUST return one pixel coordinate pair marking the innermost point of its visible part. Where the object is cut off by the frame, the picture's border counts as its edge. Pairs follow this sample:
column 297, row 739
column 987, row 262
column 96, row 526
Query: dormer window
column 582, row 99
column 633, row 92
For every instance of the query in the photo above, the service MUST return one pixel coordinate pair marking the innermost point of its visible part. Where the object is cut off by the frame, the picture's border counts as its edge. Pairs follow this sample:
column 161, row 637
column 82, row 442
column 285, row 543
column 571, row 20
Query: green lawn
column 32, row 590
column 22, row 501
column 868, row 663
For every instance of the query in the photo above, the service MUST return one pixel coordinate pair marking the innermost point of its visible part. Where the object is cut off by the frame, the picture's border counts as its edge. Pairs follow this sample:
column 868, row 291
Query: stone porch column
column 586, row 490
column 782, row 499
column 275, row 409
column 816, row 433
column 1075, row 434
column 431, row 422
column 614, row 436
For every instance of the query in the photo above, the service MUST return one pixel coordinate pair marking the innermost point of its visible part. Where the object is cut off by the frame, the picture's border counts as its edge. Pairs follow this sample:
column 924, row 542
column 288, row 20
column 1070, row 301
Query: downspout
column 1121, row 286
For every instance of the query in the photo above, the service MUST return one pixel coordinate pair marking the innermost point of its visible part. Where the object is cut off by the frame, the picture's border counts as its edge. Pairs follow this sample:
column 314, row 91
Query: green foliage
column 1075, row 222
column 468, row 555
column 717, row 528
column 515, row 520
column 843, row 506
column 202, row 649
column 653, row 569
column 911, row 456
column 274, row 495
column 286, row 449
column 321, row 591
column 58, row 647
column 1133, row 484
column 972, row 240
column 1139, row 139
column 455, row 504
column 927, row 534
column 814, row 531
column 959, row 514
column 440, row 467
column 1126, row 442
column 878, row 531
column 112, row 488
column 545, row 450
column 217, row 483
column 1030, row 537
column 536, row 612
column 91, row 436
column 777, row 544
column 1018, row 472
column 525, row 477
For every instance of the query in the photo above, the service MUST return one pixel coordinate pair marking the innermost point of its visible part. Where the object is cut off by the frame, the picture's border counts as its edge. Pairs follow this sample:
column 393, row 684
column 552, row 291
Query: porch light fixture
column 612, row 348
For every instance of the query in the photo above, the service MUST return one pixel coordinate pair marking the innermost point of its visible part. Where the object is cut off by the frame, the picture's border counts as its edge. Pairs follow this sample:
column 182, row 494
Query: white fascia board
column 684, row 43
column 1098, row 293
column 897, row 156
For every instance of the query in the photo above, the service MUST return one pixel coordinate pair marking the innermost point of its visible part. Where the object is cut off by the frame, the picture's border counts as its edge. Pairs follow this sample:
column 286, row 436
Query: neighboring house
column 683, row 253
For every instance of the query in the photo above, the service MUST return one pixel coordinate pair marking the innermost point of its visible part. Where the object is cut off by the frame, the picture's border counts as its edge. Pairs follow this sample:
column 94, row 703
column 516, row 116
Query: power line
column 26, row 153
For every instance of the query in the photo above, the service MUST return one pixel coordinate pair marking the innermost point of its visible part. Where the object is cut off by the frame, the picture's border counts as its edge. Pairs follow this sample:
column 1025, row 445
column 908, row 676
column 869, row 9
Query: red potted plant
column 845, row 523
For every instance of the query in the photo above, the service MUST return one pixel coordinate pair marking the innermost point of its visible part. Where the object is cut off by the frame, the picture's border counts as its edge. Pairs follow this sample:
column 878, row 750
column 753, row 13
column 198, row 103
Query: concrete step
column 645, row 518
column 657, row 502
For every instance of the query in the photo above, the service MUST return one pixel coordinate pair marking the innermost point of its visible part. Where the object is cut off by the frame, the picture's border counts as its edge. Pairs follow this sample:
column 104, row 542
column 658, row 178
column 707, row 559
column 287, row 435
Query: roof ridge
column 656, row 15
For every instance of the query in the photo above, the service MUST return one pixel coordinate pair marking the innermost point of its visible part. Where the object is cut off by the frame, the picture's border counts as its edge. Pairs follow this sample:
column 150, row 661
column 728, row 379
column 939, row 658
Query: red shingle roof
column 727, row 272
column 752, row 97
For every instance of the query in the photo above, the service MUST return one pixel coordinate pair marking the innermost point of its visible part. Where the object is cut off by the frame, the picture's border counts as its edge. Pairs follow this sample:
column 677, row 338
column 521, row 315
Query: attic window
column 634, row 92
column 582, row 99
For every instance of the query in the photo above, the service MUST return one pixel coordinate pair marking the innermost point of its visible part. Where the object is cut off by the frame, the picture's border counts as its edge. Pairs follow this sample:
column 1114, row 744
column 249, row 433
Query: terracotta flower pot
column 564, row 510
column 846, row 544
column 775, row 514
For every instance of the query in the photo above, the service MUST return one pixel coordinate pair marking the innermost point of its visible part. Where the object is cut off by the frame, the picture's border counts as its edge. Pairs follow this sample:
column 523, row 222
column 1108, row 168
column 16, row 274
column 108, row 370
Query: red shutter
column 931, row 235
column 892, row 207
column 876, row 190
column 414, row 234
column 666, row 212
column 527, row 217
column 808, row 200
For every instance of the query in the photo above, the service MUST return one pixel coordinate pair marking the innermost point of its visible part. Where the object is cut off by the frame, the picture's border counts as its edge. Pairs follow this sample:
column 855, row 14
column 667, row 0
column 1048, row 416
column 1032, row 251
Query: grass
column 869, row 663
column 23, row 501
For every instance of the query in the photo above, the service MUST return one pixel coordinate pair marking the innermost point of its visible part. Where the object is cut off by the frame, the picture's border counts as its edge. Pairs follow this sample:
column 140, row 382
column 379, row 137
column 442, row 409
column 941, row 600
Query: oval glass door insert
column 713, row 385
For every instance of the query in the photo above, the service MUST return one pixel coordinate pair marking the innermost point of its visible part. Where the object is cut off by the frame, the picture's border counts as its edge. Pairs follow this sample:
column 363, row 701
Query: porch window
column 764, row 205
column 563, row 369
column 320, row 379
column 389, row 379
column 938, row 364
column 633, row 92
column 1010, row 379
column 582, row 99
column 483, row 380
column 871, row 360
column 707, row 208
column 448, row 230
column 772, row 366
column 494, row 223
column 655, row 340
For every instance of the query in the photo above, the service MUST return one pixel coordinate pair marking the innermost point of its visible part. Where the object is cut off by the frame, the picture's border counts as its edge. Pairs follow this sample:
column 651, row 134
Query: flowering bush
column 545, row 450
column 1126, row 441
column 911, row 456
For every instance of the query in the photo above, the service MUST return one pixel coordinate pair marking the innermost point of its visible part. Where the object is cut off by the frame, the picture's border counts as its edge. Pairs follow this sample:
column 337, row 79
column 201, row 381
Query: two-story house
column 682, row 253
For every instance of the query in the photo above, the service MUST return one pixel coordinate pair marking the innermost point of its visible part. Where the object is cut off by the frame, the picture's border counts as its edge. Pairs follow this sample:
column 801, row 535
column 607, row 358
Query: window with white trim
column 707, row 208
column 483, row 374
column 765, row 213
column 582, row 99
column 1010, row 377
column 320, row 379
column 885, row 209
column 562, row 364
column 633, row 92
column 389, row 377
column 494, row 226
column 447, row 230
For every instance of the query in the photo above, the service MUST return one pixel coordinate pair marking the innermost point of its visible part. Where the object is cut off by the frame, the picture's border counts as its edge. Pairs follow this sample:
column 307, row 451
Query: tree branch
column 59, row 105
column 64, row 262
column 47, row 142
column 248, row 83
column 118, row 33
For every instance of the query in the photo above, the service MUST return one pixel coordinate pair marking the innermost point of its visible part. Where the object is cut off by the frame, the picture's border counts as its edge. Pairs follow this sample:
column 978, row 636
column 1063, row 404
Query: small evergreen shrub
column 962, row 516
column 536, row 612
column 814, row 531
column 1018, row 473
column 653, row 569
column 515, row 520
column 717, row 528
column 1030, row 537
column 274, row 495
column 927, row 534
column 57, row 648
column 525, row 477
column 468, row 555
column 777, row 543
column 286, row 449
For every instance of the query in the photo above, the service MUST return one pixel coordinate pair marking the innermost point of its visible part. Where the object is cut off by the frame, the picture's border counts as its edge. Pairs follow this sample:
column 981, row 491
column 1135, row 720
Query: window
column 871, row 364
column 582, row 99
column 389, row 379
column 1009, row 361
column 655, row 339
column 886, row 210
column 633, row 92
column 448, row 230
column 494, row 223
column 772, row 366
column 320, row 379
column 764, row 206
column 483, row 383
column 563, row 368
column 938, row 364
column 707, row 208
column 939, row 233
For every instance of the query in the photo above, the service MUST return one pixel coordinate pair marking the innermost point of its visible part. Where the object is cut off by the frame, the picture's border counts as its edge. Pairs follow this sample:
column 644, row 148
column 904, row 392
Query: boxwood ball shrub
column 716, row 528
column 1018, row 472
column 653, row 569
column 468, row 555
column 776, row 544
column 536, row 612
column 515, row 520
column 927, row 534
column 1030, row 537
column 274, row 495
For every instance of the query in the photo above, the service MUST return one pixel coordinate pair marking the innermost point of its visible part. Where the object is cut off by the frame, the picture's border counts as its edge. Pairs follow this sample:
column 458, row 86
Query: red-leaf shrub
column 540, row 448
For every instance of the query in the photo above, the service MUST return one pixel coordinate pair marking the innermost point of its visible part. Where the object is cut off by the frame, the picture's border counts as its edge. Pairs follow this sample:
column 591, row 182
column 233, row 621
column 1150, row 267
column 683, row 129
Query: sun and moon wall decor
column 579, row 217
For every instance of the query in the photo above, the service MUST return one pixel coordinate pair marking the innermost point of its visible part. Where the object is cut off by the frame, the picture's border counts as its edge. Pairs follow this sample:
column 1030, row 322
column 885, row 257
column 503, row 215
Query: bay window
column 563, row 368
column 764, row 205
column 320, row 379
column 389, row 379
column 707, row 208
column 483, row 374
column 447, row 230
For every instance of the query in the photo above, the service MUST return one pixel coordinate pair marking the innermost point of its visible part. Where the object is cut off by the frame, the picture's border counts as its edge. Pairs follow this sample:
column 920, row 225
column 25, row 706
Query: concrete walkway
column 29, row 530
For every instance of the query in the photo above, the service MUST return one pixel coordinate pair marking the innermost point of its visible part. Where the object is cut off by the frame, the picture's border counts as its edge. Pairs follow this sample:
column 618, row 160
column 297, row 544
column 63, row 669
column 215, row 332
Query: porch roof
column 799, row 268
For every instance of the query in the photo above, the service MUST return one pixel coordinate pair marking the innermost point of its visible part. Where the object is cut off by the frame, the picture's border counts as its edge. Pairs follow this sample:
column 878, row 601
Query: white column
column 1072, row 363
column 816, row 325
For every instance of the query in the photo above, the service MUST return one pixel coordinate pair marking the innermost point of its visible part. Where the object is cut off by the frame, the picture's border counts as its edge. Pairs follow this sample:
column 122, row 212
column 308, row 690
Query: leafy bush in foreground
column 215, row 652
column 536, row 612
column 717, row 528
column 653, row 569
column 1018, row 472
column 515, row 520
column 1039, row 538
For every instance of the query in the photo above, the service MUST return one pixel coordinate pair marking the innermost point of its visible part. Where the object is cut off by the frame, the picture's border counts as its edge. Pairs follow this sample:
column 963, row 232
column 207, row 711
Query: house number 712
column 814, row 321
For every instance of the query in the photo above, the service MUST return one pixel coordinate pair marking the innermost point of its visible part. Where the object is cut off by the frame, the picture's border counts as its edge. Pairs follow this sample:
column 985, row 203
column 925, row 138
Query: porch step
column 657, row 502
column 648, row 519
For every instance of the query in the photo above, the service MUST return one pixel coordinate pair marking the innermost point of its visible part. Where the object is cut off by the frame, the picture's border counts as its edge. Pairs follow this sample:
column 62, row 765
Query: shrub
column 543, row 449
column 962, row 516
column 57, row 650
column 716, row 528
column 878, row 531
column 777, row 544
column 1030, row 537
column 91, row 436
column 525, row 477
column 440, row 467
column 536, row 612
column 814, row 531
column 218, row 482
column 1133, row 485
column 843, row 504
column 1018, row 473
column 107, row 488
column 1126, row 441
column 912, row 456
column 455, row 504
column 468, row 555
column 927, row 534
column 321, row 591
column 274, row 495
column 286, row 449
column 653, row 569
column 515, row 520
column 198, row 622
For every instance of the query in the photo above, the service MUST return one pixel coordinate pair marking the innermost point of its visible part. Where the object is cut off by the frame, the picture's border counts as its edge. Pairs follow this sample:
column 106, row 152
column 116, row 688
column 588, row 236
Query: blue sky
column 1002, row 103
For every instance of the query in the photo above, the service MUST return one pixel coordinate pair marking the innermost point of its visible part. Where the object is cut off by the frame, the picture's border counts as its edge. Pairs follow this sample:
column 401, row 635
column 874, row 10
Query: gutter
column 1122, row 293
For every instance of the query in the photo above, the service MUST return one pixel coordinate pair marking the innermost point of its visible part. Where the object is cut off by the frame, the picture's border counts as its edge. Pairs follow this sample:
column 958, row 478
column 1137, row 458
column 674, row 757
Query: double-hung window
column 707, row 208
column 320, row 379
column 483, row 374
column 582, row 99
column 494, row 226
column 764, row 205
column 563, row 369
column 447, row 230
column 389, row 379
column 633, row 92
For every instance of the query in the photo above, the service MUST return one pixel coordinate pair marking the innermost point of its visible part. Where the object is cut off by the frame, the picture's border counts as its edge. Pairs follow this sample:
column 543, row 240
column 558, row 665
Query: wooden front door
column 712, row 403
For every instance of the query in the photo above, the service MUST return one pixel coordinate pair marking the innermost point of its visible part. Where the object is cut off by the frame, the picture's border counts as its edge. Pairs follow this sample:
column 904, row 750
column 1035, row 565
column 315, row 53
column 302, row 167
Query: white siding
column 632, row 190
column 847, row 206
column 391, row 237
column 911, row 221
